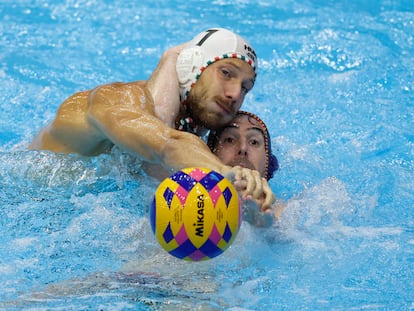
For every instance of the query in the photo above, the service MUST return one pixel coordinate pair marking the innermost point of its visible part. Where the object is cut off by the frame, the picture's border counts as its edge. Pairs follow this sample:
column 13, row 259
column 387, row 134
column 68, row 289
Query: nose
column 242, row 148
column 233, row 92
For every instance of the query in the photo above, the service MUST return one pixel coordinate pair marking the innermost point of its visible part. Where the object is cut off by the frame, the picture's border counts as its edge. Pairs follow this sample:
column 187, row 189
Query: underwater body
column 335, row 88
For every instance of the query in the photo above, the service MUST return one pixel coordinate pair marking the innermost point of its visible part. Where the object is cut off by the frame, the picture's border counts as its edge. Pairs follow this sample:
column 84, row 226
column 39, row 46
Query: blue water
column 336, row 88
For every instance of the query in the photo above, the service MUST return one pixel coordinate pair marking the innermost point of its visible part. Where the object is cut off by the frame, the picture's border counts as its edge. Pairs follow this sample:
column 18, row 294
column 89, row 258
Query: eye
column 225, row 72
column 228, row 140
column 255, row 142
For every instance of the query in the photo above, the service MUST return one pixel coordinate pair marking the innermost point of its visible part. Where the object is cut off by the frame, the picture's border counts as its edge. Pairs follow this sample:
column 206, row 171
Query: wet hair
column 272, row 164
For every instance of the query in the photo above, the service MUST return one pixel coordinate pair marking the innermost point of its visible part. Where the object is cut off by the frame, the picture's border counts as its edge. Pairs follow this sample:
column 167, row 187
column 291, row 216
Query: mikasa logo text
column 199, row 224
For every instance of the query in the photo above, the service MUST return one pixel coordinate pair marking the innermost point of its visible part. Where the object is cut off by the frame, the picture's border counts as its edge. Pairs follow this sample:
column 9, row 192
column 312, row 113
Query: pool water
column 336, row 89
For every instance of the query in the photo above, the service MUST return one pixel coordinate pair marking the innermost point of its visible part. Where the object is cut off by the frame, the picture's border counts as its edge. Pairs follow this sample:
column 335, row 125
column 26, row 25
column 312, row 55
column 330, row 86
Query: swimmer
column 196, row 87
column 246, row 142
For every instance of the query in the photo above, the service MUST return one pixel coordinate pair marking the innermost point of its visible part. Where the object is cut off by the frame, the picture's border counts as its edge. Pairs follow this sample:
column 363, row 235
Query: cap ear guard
column 188, row 63
column 272, row 167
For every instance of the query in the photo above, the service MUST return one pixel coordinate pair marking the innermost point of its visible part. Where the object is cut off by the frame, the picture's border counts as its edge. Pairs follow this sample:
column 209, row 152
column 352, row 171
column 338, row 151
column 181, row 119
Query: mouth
column 243, row 162
column 224, row 107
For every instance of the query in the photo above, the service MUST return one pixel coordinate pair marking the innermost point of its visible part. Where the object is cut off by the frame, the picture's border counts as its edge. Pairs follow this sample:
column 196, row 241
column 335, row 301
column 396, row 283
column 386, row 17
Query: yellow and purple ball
column 195, row 214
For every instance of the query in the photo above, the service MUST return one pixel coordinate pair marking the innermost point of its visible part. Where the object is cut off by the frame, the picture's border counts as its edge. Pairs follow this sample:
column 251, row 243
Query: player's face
column 242, row 143
column 219, row 92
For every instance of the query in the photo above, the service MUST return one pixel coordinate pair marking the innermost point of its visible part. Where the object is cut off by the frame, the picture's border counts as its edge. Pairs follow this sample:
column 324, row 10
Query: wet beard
column 196, row 107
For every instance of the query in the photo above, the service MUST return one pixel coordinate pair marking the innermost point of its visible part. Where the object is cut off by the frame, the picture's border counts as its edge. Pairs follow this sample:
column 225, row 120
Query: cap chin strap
column 187, row 124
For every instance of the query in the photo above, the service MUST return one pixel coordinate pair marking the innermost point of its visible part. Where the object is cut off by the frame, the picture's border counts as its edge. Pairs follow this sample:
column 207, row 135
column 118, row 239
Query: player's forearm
column 164, row 87
column 187, row 150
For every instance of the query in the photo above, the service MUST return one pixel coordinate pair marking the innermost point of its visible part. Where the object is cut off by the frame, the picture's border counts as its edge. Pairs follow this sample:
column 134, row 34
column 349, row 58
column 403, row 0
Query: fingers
column 241, row 180
column 269, row 197
column 250, row 184
column 254, row 183
column 230, row 172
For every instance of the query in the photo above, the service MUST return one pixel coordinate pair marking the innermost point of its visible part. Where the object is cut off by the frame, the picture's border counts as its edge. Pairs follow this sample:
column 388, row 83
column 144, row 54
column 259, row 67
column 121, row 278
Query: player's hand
column 251, row 185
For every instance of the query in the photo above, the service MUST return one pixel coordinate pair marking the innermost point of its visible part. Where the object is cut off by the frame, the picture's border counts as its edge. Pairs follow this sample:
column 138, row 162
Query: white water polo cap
column 206, row 48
